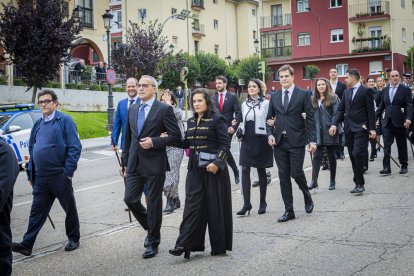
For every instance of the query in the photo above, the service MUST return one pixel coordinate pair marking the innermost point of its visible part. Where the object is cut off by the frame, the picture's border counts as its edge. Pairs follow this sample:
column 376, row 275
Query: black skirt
column 255, row 151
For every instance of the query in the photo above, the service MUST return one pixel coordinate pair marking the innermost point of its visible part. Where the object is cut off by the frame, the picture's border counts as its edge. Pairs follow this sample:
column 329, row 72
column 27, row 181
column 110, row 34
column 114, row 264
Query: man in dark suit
column 358, row 105
column 179, row 93
column 122, row 111
column 339, row 88
column 146, row 158
column 9, row 170
column 398, row 106
column 228, row 105
column 100, row 72
column 289, row 136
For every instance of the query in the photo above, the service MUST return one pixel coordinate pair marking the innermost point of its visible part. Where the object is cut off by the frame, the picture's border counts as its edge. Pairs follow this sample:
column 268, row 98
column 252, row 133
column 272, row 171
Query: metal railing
column 197, row 3
column 277, row 52
column 369, row 9
column 275, row 21
column 371, row 44
column 199, row 31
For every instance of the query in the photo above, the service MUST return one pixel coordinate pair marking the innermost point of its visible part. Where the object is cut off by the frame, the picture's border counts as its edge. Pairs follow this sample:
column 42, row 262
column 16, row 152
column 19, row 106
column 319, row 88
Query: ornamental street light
column 256, row 45
column 107, row 17
column 228, row 58
column 184, row 14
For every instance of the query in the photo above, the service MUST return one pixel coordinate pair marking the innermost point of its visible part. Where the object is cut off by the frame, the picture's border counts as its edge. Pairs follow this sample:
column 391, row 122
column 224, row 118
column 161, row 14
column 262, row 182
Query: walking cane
column 408, row 138
column 123, row 172
column 378, row 143
column 51, row 222
column 310, row 153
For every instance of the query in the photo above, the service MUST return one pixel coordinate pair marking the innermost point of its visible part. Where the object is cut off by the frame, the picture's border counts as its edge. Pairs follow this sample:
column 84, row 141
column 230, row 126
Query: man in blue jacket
column 55, row 149
column 122, row 111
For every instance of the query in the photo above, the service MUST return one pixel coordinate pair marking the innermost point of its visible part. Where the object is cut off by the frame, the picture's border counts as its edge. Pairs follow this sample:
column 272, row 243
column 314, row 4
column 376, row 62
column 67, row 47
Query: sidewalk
column 96, row 143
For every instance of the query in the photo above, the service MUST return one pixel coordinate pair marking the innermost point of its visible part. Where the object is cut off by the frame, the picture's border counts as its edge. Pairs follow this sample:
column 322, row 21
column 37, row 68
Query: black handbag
column 204, row 159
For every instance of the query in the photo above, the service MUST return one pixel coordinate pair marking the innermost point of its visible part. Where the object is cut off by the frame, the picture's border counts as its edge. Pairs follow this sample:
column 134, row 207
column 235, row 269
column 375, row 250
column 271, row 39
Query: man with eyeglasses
column 145, row 157
column 397, row 103
column 55, row 149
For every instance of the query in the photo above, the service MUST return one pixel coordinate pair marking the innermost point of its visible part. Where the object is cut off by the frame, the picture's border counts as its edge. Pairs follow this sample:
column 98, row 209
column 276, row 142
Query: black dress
column 208, row 196
column 255, row 151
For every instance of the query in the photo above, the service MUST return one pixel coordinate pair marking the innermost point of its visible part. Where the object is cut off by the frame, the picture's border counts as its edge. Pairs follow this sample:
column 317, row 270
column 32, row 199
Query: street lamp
column 107, row 17
column 78, row 13
column 319, row 28
column 228, row 58
column 171, row 47
column 184, row 14
column 256, row 45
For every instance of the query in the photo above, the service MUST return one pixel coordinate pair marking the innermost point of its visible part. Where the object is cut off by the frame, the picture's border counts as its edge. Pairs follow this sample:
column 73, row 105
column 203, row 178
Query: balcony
column 369, row 11
column 197, row 5
column 275, row 21
column 198, row 31
column 370, row 44
column 277, row 52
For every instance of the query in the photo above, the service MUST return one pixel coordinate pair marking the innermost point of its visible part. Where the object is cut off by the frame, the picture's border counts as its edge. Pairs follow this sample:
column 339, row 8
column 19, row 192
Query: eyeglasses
column 46, row 102
column 144, row 85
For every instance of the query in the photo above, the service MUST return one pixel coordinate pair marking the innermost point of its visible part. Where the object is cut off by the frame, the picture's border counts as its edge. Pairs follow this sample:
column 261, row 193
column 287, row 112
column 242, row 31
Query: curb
column 96, row 147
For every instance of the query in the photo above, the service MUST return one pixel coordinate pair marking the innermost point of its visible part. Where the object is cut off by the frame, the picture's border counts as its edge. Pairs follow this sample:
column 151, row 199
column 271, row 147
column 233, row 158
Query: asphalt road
column 370, row 234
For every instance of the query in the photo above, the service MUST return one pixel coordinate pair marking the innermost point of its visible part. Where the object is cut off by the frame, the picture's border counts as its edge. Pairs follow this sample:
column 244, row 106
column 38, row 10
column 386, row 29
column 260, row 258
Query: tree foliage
column 248, row 68
column 210, row 67
column 38, row 38
column 171, row 78
column 143, row 49
column 311, row 71
column 408, row 62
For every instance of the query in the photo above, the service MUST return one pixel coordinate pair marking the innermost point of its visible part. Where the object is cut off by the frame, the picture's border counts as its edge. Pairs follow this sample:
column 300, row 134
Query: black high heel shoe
column 262, row 208
column 178, row 251
column 244, row 210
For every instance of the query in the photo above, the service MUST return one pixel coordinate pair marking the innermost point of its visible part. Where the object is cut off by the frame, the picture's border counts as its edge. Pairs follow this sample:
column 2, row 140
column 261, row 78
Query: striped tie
column 141, row 118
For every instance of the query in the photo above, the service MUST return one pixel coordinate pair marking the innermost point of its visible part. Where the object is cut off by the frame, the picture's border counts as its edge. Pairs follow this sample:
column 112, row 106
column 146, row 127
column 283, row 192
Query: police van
column 16, row 122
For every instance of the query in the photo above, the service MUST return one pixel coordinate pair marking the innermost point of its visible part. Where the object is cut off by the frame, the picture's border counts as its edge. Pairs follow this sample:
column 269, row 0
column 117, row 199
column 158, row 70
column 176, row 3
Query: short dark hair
column 223, row 78
column 211, row 107
column 333, row 68
column 370, row 78
column 173, row 98
column 354, row 72
column 259, row 85
column 48, row 92
column 286, row 67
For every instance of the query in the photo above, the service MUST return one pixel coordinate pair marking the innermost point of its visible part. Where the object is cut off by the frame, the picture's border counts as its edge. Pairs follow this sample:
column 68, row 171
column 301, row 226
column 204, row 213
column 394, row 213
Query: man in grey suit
column 288, row 137
column 146, row 158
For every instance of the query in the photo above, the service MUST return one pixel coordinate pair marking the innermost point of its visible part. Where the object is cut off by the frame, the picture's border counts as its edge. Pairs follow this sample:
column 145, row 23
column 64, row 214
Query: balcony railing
column 276, row 21
column 199, row 31
column 197, row 4
column 277, row 52
column 370, row 44
column 369, row 9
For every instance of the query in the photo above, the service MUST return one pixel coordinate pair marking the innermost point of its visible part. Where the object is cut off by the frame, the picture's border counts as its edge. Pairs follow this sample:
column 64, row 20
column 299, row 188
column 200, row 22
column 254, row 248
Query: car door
column 19, row 140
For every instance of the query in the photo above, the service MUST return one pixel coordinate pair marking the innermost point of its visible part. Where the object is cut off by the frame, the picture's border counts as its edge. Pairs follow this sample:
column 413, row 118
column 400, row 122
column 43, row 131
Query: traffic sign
column 111, row 76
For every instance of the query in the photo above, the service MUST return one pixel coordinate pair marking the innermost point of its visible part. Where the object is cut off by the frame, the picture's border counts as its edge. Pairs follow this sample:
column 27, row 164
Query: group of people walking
column 282, row 128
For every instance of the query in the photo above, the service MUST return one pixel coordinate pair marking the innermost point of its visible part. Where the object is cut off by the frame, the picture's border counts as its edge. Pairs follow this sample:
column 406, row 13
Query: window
column 375, row 67
column 117, row 21
column 87, row 12
column 404, row 35
column 337, row 35
column 215, row 1
column 142, row 14
column 303, row 39
column 215, row 24
column 276, row 76
column 173, row 11
column 216, row 49
column 375, row 33
column 302, row 5
column 24, row 121
column 342, row 68
column 403, row 4
column 336, row 3
column 254, row 12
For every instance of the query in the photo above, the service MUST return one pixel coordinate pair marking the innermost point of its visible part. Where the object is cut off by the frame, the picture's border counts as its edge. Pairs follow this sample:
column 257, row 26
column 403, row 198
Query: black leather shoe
column 403, row 170
column 342, row 156
column 309, row 207
column 262, row 208
column 365, row 169
column 150, row 252
column 214, row 253
column 178, row 251
column 256, row 184
column 385, row 171
column 244, row 210
column 177, row 203
column 332, row 185
column 169, row 206
column 359, row 189
column 288, row 215
column 20, row 248
column 146, row 242
column 312, row 185
column 237, row 179
column 72, row 245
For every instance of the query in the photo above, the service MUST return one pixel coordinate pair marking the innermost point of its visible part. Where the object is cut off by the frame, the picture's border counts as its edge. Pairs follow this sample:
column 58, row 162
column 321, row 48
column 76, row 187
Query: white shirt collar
column 150, row 102
column 134, row 98
column 394, row 86
column 50, row 117
column 290, row 89
column 356, row 86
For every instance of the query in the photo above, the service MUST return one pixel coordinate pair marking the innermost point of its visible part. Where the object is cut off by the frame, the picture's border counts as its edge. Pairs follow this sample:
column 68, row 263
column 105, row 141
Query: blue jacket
column 67, row 143
column 120, row 121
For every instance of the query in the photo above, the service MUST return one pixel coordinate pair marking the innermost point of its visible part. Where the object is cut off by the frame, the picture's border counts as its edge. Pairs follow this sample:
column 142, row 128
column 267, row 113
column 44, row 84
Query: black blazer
column 340, row 88
column 357, row 112
column 393, row 111
column 292, row 121
column 231, row 108
column 152, row 161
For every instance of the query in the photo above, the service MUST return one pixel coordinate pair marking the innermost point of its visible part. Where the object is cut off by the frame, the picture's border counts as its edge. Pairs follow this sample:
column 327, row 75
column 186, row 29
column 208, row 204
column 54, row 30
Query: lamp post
column 228, row 58
column 319, row 28
column 184, row 14
column 107, row 17
column 256, row 45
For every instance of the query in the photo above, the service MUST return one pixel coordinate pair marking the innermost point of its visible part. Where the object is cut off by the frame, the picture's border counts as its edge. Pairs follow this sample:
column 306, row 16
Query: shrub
column 81, row 86
column 95, row 87
column 53, row 84
column 118, row 89
column 19, row 82
column 71, row 86
column 3, row 81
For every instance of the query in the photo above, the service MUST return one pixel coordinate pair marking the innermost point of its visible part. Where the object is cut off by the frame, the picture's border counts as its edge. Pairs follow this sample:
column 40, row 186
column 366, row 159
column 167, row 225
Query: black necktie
column 286, row 100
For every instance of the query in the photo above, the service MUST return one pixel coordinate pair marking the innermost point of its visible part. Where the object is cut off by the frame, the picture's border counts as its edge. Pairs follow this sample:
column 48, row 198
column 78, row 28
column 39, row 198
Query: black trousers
column 150, row 219
column 390, row 132
column 289, row 161
column 357, row 143
column 45, row 190
column 317, row 161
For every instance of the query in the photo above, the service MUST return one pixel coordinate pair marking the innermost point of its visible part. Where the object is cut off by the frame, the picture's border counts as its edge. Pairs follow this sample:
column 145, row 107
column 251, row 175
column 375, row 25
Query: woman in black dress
column 325, row 104
column 377, row 99
column 255, row 150
column 207, row 188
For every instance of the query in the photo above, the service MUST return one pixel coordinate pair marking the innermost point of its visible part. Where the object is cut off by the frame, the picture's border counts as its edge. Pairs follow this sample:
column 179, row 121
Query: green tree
column 311, row 71
column 171, row 78
column 248, row 68
column 210, row 67
column 38, row 38
column 408, row 60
